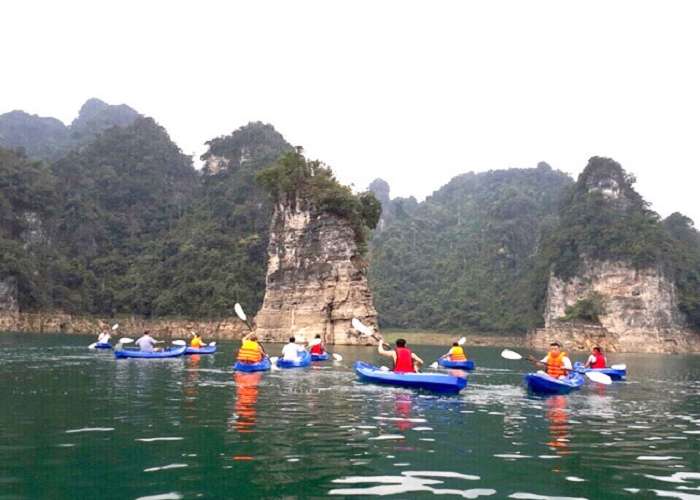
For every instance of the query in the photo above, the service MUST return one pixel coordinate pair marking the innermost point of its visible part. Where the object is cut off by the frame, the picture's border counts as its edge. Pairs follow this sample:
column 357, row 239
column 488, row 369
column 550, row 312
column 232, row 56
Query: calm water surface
column 76, row 423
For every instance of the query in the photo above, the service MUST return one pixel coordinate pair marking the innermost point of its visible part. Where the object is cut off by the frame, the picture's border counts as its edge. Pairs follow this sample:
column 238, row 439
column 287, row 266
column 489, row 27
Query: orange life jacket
column 404, row 360
column 457, row 354
column 250, row 352
column 555, row 365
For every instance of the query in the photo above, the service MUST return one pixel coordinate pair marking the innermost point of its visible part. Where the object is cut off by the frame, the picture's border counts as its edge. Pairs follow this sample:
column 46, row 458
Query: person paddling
column 251, row 350
column 317, row 347
column 596, row 359
column 292, row 350
column 405, row 361
column 103, row 337
column 456, row 353
column 556, row 363
column 146, row 343
column 196, row 341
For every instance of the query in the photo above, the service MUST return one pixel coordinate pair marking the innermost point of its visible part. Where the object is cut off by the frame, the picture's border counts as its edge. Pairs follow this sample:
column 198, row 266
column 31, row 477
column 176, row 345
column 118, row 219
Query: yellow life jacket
column 250, row 352
column 555, row 365
column 196, row 342
column 457, row 354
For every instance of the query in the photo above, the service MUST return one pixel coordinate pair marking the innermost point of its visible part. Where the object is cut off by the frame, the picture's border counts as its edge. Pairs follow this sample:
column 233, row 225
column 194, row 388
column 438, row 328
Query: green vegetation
column 683, row 263
column 294, row 179
column 588, row 309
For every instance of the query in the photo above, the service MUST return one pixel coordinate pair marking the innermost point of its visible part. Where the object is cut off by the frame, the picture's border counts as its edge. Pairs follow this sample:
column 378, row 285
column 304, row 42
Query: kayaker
column 317, row 346
column 456, row 353
column 556, row 363
column 405, row 361
column 146, row 343
column 103, row 337
column 251, row 350
column 292, row 350
column 196, row 341
column 596, row 359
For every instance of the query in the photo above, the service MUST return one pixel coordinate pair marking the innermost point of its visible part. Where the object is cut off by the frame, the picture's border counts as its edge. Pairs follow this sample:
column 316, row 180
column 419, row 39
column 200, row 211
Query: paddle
column 366, row 331
column 314, row 342
column 620, row 366
column 114, row 327
column 180, row 343
column 461, row 342
column 212, row 344
column 600, row 378
column 241, row 315
column 122, row 341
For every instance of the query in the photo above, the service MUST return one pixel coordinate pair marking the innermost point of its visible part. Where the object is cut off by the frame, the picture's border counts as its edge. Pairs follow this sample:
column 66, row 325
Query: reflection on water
column 558, row 417
column 246, row 399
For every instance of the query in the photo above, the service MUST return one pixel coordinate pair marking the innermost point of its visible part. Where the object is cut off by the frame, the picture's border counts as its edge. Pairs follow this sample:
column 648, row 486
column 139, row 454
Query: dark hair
column 596, row 348
column 455, row 344
column 555, row 344
column 318, row 335
column 400, row 343
column 292, row 339
column 146, row 332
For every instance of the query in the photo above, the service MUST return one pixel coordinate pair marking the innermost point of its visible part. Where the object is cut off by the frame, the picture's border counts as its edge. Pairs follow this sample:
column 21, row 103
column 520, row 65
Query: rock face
column 641, row 311
column 316, row 281
column 8, row 296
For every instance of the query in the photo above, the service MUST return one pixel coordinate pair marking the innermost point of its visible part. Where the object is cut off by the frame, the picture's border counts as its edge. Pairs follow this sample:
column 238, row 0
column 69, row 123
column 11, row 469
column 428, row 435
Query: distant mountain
column 465, row 257
column 49, row 139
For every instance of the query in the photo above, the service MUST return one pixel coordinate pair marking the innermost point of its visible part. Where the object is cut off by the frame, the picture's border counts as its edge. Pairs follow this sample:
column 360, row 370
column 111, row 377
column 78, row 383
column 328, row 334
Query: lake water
column 76, row 423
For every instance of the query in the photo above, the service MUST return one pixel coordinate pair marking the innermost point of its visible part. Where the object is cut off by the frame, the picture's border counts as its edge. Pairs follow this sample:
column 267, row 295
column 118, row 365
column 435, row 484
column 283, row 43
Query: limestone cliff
column 316, row 281
column 640, row 310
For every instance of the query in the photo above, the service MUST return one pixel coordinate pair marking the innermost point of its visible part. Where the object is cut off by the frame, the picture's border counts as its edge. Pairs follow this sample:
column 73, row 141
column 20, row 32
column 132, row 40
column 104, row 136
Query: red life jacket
column 317, row 349
column 599, row 361
column 404, row 360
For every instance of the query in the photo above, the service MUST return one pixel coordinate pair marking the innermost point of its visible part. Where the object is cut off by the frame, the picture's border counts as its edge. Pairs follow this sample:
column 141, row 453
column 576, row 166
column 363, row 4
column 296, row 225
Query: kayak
column 613, row 373
column 202, row 350
column 321, row 357
column 262, row 366
column 303, row 361
column 435, row 382
column 103, row 345
column 463, row 365
column 543, row 383
column 133, row 353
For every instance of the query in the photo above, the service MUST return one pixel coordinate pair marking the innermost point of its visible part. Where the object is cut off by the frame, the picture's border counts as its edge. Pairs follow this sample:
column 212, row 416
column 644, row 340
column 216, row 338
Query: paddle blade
column 212, row 344
column 462, row 341
column 598, row 377
column 434, row 365
column 384, row 369
column 621, row 366
column 179, row 342
column 337, row 356
column 126, row 340
column 115, row 326
column 361, row 327
column 508, row 354
column 239, row 312
column 92, row 346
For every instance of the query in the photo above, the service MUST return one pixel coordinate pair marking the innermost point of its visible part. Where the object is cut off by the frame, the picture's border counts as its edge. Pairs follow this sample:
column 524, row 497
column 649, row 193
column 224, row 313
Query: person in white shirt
column 146, row 343
column 291, row 351
column 103, row 337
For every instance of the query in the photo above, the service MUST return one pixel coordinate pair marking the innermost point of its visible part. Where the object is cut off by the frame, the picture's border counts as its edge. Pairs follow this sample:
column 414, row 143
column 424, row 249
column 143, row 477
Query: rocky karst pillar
column 316, row 279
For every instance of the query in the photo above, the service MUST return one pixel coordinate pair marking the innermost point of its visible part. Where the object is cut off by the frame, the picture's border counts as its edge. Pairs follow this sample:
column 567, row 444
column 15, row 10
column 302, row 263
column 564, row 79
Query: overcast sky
column 413, row 92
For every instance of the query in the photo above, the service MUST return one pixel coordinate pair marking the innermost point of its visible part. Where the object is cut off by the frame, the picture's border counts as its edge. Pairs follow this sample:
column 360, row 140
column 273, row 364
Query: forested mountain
column 465, row 257
column 49, row 139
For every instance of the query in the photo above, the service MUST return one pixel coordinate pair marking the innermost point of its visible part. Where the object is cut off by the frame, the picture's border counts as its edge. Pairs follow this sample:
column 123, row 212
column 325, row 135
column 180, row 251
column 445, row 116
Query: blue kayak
column 461, row 365
column 262, row 366
column 543, row 383
column 202, row 350
column 135, row 353
column 103, row 345
column 613, row 373
column 435, row 382
column 321, row 357
column 303, row 361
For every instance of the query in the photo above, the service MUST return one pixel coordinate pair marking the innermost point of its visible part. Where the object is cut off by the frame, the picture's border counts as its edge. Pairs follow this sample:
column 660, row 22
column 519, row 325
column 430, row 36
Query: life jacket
column 404, row 360
column 196, row 342
column 317, row 349
column 457, row 354
column 555, row 365
column 250, row 352
column 599, row 360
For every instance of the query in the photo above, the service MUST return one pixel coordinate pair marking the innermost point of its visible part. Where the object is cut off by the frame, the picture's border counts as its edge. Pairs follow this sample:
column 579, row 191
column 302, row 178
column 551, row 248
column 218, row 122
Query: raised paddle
column 461, row 341
column 600, row 378
column 114, row 327
column 366, row 331
column 241, row 315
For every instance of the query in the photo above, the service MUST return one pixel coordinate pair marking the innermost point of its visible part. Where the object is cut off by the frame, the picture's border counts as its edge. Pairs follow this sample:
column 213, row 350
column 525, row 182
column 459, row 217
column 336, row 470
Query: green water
column 76, row 424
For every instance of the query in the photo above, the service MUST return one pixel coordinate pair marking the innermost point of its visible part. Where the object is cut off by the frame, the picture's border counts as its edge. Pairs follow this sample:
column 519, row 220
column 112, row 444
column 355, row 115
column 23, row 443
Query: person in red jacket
column 404, row 360
column 596, row 359
column 317, row 346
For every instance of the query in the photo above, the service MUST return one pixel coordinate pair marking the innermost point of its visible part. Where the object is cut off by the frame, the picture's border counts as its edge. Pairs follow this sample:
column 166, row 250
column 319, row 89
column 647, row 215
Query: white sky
column 413, row 92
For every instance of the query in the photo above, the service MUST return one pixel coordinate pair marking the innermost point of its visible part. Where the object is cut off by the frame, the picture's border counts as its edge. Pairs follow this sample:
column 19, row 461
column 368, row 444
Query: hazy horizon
column 411, row 92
